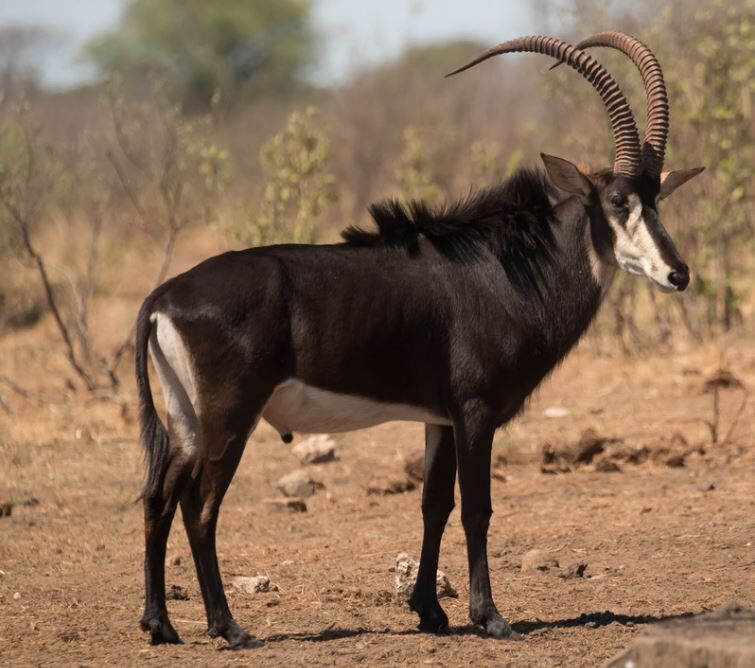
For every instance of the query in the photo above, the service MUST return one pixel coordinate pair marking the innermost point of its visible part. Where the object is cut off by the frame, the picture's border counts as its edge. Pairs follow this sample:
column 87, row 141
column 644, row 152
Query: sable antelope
column 450, row 317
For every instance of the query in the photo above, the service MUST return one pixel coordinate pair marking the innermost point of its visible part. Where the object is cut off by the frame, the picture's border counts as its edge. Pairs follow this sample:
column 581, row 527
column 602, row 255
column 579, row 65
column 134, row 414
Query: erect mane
column 511, row 220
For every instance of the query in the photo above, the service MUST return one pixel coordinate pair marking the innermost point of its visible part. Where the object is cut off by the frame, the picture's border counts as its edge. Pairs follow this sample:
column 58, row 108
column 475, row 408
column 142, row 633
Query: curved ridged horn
column 656, row 132
column 627, row 140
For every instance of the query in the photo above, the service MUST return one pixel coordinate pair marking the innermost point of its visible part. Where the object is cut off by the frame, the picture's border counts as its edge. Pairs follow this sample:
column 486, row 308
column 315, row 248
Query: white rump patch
column 296, row 406
column 173, row 364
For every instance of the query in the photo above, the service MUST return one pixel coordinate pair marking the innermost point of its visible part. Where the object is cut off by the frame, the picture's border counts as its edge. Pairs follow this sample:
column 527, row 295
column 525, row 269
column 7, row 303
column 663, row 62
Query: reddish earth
column 664, row 539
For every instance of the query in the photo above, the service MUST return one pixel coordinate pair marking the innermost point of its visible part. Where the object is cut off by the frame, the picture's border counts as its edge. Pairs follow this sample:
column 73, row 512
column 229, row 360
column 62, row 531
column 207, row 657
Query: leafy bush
column 297, row 191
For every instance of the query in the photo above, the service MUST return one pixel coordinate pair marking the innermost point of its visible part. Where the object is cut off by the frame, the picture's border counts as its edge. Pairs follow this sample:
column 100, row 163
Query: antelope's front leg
column 473, row 434
column 437, row 504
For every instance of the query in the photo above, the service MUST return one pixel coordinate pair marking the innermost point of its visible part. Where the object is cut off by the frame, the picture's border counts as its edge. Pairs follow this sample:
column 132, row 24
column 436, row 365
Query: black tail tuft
column 154, row 437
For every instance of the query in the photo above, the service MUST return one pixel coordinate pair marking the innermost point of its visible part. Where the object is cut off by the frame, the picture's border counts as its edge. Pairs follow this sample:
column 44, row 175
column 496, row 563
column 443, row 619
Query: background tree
column 206, row 49
column 23, row 49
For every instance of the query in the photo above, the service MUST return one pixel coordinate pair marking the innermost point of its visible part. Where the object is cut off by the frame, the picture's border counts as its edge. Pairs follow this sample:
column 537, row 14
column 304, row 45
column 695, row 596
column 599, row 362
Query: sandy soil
column 665, row 540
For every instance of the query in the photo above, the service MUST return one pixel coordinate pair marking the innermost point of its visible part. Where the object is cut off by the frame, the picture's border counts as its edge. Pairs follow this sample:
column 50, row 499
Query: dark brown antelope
column 449, row 317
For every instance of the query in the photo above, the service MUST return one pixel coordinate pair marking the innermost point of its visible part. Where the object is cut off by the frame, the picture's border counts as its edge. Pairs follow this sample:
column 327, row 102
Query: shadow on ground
column 592, row 620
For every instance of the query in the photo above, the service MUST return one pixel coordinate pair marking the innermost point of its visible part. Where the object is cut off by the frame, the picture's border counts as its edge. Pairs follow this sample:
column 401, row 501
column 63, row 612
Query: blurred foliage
column 136, row 172
column 709, row 67
column 486, row 162
column 28, row 175
column 209, row 49
column 168, row 169
column 713, row 85
column 297, row 191
column 415, row 170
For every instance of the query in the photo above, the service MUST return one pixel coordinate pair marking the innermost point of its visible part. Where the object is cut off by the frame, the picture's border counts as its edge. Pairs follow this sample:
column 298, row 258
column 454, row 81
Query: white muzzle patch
column 635, row 249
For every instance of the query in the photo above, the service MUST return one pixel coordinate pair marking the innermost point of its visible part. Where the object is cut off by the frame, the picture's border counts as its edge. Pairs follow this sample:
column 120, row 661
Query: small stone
column 575, row 570
column 292, row 505
column 607, row 466
column 705, row 486
column 253, row 584
column 444, row 587
column 177, row 593
column 17, row 596
column 6, row 509
column 556, row 412
column 176, row 561
column 385, row 485
column 590, row 444
column 406, row 577
column 297, row 483
column 317, row 449
column 538, row 560
column 675, row 461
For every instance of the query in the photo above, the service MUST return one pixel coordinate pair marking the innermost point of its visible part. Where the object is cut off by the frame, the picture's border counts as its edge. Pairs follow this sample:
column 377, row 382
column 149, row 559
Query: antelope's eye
column 618, row 200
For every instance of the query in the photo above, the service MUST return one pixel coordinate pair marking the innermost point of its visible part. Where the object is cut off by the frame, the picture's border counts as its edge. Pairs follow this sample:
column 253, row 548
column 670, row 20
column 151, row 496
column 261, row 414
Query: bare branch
column 23, row 226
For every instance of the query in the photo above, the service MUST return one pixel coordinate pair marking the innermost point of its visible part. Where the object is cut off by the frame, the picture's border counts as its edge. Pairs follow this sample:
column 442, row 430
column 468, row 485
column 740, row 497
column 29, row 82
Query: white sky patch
column 353, row 32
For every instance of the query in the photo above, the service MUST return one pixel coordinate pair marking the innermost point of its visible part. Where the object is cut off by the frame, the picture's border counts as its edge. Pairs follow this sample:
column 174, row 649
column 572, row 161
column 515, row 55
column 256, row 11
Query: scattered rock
column 722, row 379
column 722, row 638
column 675, row 461
column 30, row 502
column 575, row 570
column 406, row 576
column 444, row 587
column 317, row 449
column 17, row 596
column 6, row 509
column 176, row 593
column 253, row 584
column 414, row 466
column 589, row 445
column 384, row 485
column 293, row 504
column 538, row 560
column 176, row 561
column 553, row 460
column 556, row 412
column 607, row 466
column 561, row 458
column 498, row 474
column 297, row 483
column 704, row 486
column 627, row 454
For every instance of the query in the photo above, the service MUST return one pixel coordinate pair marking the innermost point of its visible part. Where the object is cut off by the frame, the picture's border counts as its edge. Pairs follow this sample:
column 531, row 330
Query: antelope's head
column 623, row 201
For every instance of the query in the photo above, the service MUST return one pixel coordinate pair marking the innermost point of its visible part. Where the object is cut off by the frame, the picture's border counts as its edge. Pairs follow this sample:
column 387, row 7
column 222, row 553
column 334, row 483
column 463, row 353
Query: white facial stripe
column 635, row 249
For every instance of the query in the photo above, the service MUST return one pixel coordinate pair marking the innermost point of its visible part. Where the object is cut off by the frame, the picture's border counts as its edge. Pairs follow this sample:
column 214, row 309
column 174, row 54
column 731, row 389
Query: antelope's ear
column 566, row 176
column 670, row 181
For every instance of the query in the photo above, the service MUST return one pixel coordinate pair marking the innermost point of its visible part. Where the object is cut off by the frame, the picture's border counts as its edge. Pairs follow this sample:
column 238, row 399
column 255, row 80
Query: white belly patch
column 296, row 406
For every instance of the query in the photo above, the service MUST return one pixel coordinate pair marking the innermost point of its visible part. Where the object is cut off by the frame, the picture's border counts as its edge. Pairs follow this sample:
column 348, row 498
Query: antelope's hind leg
column 437, row 504
column 161, row 498
column 159, row 510
column 223, row 441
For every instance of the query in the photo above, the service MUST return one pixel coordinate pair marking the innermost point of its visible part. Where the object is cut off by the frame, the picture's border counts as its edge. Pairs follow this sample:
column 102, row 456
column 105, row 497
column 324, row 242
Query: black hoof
column 497, row 627
column 236, row 636
column 245, row 641
column 432, row 619
column 160, row 631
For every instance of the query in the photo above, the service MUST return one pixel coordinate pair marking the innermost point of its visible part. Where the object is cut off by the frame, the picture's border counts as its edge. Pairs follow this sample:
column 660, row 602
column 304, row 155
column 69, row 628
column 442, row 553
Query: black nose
column 680, row 278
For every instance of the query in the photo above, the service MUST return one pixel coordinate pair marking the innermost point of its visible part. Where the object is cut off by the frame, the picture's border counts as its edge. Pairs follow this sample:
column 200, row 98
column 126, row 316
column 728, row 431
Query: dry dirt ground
column 658, row 540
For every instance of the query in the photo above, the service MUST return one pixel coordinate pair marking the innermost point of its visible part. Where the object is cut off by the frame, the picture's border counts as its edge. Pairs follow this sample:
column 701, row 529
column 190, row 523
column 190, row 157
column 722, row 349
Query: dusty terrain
column 671, row 534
